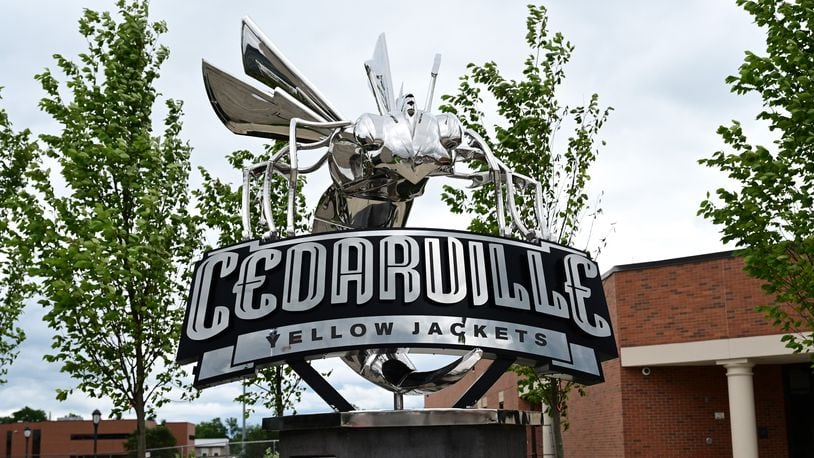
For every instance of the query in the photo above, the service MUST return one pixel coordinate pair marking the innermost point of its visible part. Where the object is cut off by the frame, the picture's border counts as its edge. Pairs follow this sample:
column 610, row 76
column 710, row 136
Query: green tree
column 769, row 211
column 159, row 437
column 117, row 241
column 257, row 433
column 258, row 439
column 551, row 392
column 529, row 119
column 232, row 427
column 26, row 414
column 17, row 156
column 214, row 429
column 276, row 388
column 220, row 204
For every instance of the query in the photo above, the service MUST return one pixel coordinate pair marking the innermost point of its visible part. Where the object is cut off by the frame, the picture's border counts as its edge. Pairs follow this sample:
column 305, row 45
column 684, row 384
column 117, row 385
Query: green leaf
column 522, row 135
column 112, row 251
column 767, row 210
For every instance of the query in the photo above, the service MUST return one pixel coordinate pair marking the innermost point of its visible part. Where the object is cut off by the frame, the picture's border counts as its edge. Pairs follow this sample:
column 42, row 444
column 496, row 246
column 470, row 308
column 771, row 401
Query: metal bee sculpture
column 378, row 164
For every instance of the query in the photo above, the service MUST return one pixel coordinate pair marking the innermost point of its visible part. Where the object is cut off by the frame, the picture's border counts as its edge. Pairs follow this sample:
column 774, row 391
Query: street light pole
column 27, row 434
column 97, row 417
column 243, row 427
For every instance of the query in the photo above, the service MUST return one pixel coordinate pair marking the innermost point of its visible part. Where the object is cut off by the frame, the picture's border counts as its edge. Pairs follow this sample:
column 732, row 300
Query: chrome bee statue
column 378, row 164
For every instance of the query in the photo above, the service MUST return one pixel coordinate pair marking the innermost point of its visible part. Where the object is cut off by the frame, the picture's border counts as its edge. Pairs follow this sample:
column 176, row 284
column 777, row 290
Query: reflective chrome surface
column 378, row 75
column 393, row 370
column 439, row 417
column 403, row 418
column 378, row 165
column 246, row 110
column 265, row 63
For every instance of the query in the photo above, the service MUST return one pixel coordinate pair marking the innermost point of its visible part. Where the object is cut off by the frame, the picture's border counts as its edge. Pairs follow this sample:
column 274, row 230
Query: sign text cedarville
column 259, row 303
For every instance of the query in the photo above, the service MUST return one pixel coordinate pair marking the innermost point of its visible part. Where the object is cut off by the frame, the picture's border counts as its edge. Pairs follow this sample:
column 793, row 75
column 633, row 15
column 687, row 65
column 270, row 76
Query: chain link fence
column 249, row 449
column 234, row 449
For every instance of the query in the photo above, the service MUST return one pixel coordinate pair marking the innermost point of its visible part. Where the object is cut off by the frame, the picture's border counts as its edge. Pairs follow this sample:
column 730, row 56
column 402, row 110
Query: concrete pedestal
column 472, row 433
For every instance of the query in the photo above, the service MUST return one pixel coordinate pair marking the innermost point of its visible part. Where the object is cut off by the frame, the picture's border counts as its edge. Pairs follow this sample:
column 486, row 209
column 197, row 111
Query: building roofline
column 669, row 262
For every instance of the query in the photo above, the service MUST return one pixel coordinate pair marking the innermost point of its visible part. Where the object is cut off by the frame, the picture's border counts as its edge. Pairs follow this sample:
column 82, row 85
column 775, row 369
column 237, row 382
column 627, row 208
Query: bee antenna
column 436, row 64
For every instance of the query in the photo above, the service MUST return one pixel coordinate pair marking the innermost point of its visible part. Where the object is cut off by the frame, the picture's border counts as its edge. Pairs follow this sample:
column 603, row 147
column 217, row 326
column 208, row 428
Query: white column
column 548, row 436
column 741, row 407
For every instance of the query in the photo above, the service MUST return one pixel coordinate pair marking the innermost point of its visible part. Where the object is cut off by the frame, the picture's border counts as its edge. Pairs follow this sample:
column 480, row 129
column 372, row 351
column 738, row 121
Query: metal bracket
column 484, row 382
column 321, row 386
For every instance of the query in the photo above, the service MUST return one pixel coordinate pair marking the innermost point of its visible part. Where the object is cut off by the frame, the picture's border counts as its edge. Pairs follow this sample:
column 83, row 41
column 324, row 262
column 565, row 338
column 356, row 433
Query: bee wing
column 265, row 63
column 246, row 110
column 378, row 74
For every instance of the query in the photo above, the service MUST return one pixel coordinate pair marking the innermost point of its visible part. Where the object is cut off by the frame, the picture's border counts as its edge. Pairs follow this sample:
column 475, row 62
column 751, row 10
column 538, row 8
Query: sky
column 660, row 64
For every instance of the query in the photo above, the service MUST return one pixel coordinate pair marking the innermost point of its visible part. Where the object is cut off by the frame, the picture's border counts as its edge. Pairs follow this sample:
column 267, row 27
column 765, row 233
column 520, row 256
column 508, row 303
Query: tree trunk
column 138, row 398
column 278, row 391
column 141, row 424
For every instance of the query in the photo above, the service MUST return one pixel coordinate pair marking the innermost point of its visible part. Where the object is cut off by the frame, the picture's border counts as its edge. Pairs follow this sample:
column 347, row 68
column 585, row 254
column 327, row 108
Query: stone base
column 471, row 433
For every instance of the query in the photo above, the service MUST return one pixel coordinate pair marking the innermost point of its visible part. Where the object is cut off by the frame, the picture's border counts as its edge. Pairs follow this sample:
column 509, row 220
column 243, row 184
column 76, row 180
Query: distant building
column 212, row 447
column 74, row 438
column 700, row 372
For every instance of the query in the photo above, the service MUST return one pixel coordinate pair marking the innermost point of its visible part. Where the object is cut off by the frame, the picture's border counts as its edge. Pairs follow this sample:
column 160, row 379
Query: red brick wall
column 184, row 433
column 596, row 427
column 671, row 412
column 507, row 383
column 596, row 419
column 56, row 436
column 448, row 396
column 702, row 300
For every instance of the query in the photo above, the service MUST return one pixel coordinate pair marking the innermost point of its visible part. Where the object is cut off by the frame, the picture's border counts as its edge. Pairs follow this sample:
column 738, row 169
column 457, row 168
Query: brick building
column 74, row 438
column 700, row 372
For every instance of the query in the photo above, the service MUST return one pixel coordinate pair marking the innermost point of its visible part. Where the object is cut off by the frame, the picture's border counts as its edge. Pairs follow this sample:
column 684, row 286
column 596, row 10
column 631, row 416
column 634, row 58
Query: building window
column 8, row 444
column 101, row 436
column 35, row 444
column 499, row 399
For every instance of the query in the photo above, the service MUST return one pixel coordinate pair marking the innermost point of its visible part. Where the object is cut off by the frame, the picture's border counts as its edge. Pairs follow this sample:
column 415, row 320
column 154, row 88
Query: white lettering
column 404, row 267
column 196, row 327
column 578, row 293
column 360, row 251
column 500, row 282
column 434, row 264
column 477, row 261
column 539, row 290
column 249, row 280
column 313, row 282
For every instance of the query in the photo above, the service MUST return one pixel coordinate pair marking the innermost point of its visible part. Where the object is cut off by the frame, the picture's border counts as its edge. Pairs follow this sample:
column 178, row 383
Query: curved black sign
column 258, row 303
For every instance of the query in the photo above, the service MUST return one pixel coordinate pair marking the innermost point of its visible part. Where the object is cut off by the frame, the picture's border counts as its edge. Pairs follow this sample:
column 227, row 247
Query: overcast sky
column 661, row 65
